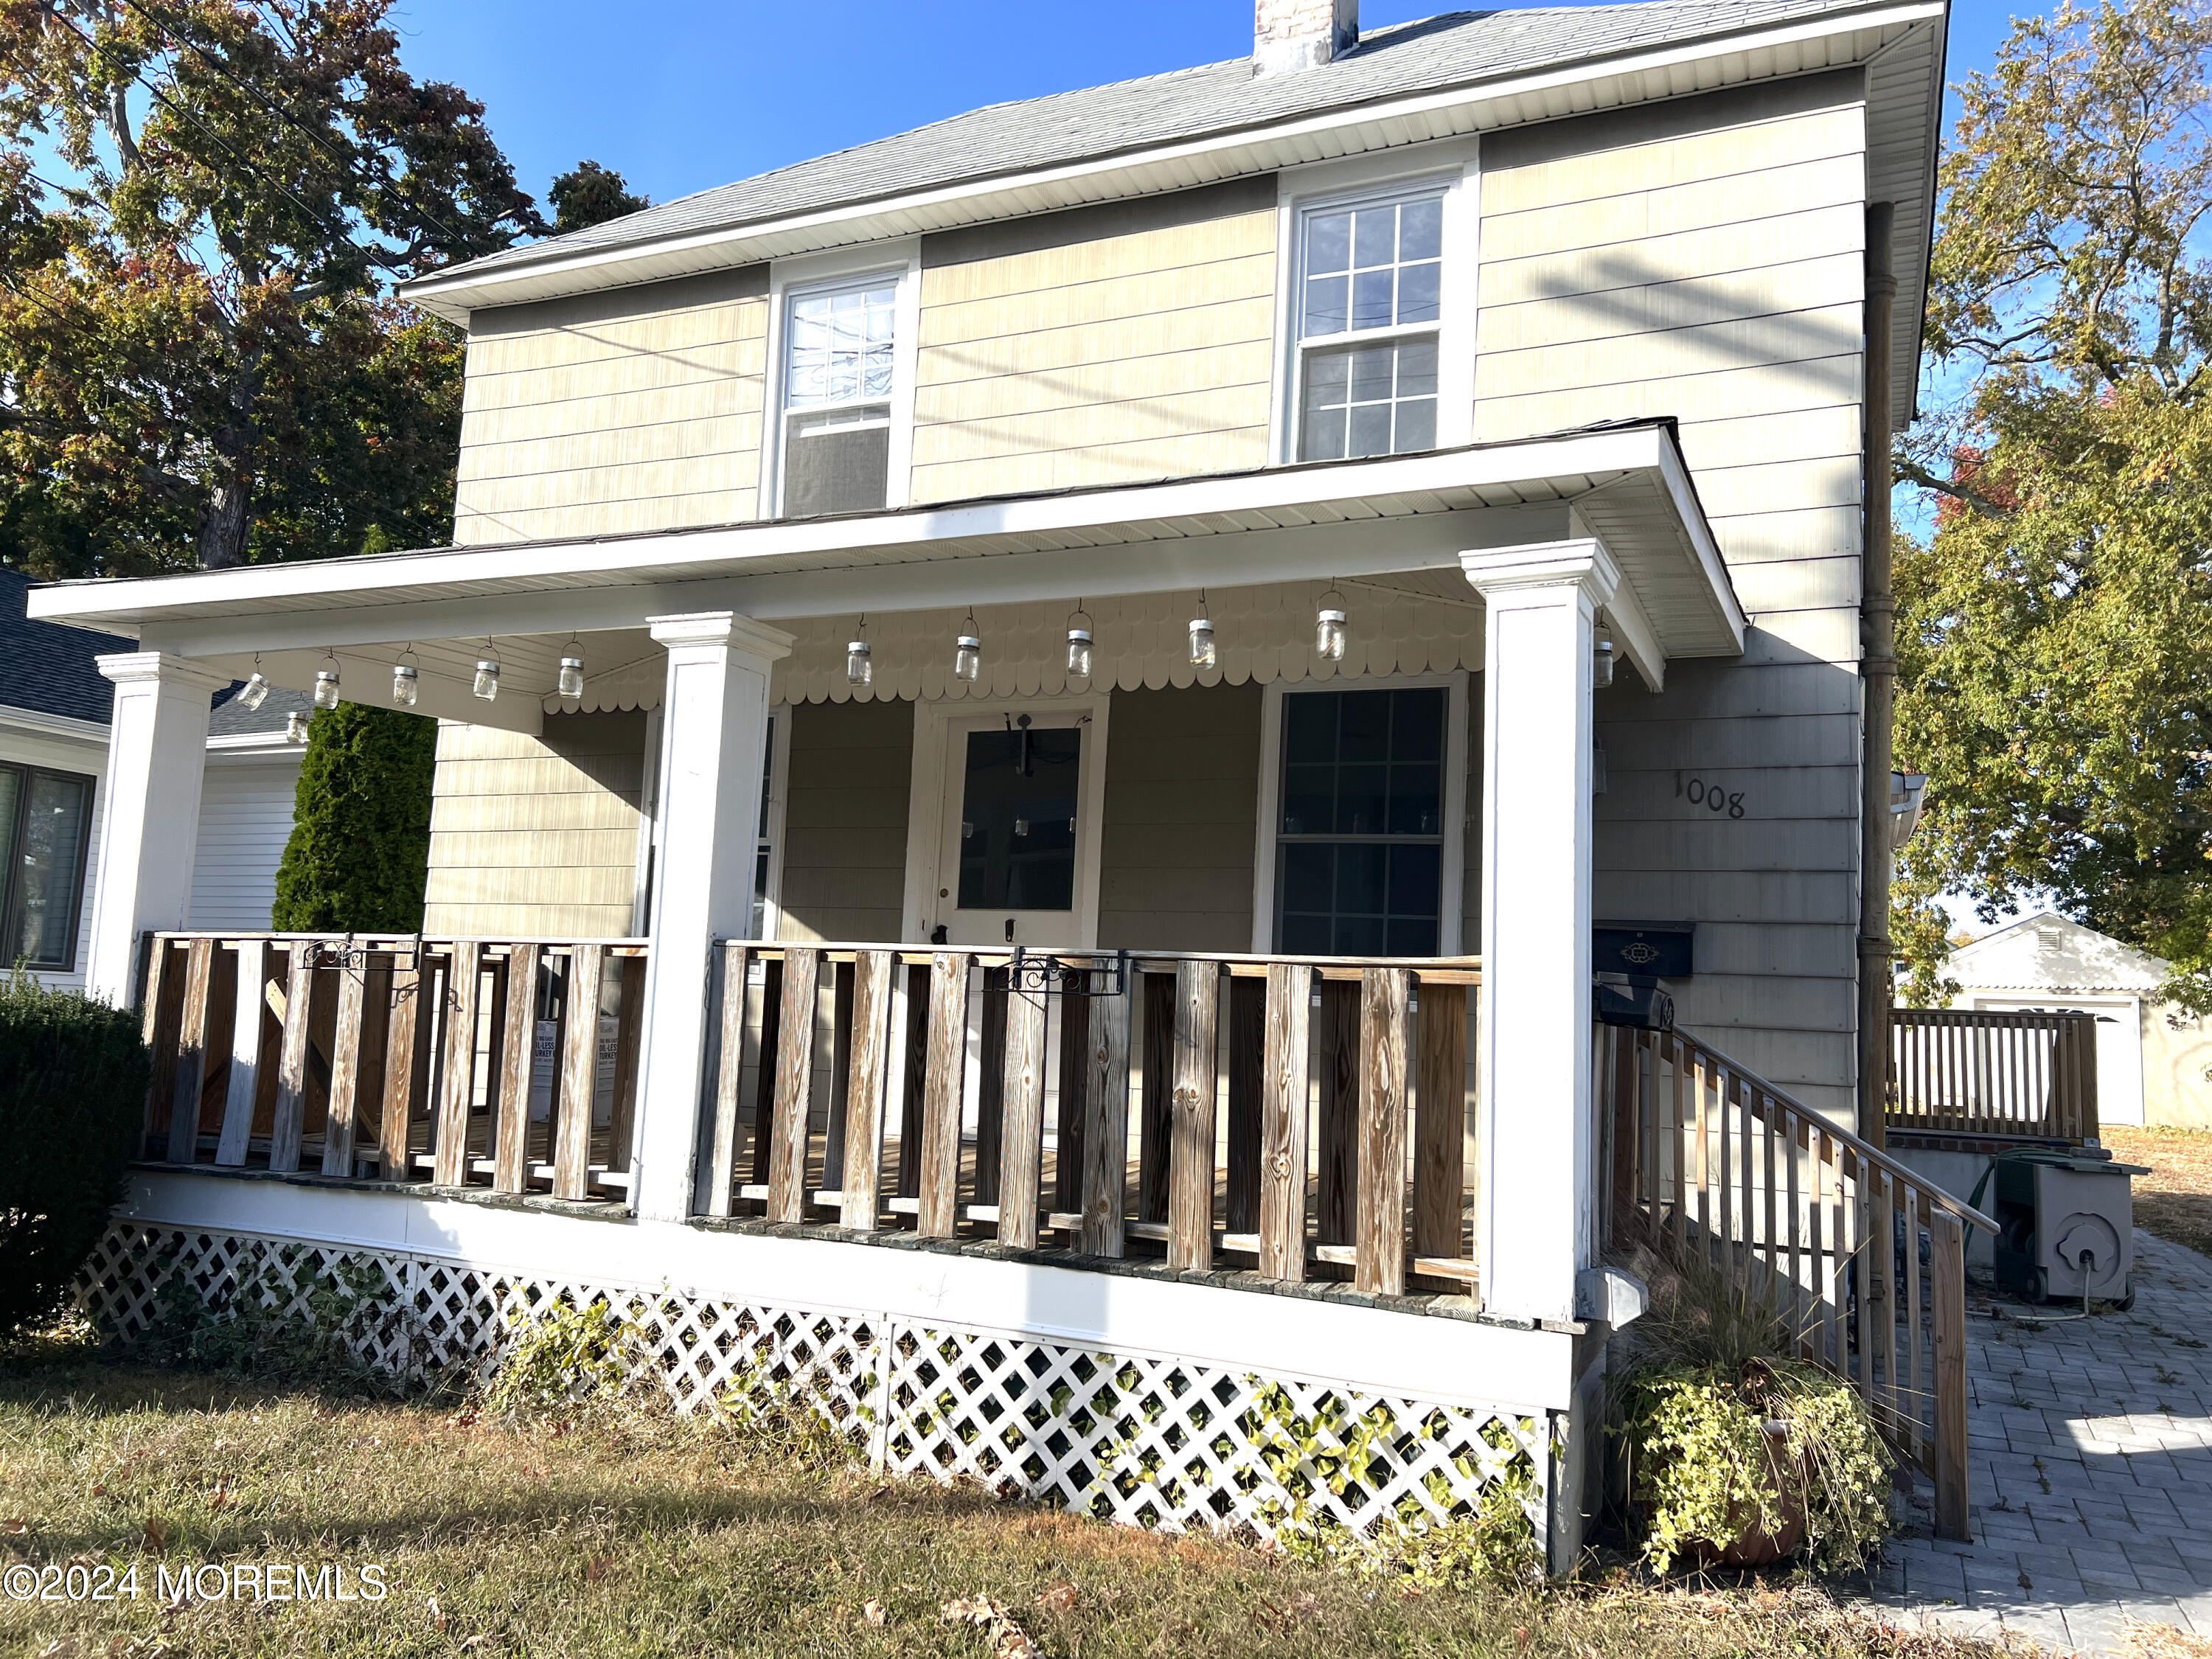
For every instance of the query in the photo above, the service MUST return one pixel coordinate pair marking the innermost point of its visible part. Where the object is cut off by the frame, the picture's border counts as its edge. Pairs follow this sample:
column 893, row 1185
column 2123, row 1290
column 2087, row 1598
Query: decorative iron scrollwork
column 1050, row 976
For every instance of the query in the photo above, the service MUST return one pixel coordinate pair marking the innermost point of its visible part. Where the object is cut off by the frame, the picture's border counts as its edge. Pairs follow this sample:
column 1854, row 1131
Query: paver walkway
column 2090, row 1472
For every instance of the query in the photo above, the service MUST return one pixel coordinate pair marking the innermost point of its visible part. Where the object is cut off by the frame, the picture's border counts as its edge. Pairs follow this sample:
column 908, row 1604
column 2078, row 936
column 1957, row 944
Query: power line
column 222, row 68
column 314, row 214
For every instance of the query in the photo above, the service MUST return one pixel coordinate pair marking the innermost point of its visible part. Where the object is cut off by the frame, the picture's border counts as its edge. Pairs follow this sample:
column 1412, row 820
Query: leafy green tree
column 199, row 362
column 2054, row 636
column 591, row 195
column 359, row 849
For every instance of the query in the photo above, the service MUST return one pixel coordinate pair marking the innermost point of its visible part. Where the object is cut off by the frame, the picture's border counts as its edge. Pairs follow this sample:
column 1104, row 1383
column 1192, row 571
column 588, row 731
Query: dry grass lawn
column 2175, row 1199
column 648, row 1537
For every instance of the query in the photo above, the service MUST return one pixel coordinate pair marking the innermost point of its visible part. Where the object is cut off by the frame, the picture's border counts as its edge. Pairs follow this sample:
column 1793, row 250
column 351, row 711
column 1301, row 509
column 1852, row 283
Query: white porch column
column 714, row 733
column 156, row 755
column 1537, row 1226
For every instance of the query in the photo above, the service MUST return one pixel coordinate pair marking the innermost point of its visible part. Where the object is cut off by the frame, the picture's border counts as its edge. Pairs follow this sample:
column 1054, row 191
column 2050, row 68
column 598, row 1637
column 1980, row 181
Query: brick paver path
column 2090, row 1474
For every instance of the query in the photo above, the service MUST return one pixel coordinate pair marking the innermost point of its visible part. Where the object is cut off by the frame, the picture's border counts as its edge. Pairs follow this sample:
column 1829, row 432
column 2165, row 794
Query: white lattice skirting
column 1145, row 1439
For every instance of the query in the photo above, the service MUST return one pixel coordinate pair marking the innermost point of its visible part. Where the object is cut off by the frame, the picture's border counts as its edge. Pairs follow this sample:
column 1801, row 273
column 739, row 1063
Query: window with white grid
column 1368, row 308
column 839, row 353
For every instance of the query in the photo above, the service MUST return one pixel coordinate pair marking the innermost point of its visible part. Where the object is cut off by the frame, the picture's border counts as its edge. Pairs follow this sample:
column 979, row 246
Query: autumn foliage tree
column 203, row 206
column 2055, row 634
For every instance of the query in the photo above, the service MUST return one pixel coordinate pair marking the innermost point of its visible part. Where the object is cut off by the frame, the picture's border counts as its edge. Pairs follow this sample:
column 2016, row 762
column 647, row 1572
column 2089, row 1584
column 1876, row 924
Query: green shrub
column 294, row 1323
column 73, row 1080
column 566, row 1359
column 360, row 850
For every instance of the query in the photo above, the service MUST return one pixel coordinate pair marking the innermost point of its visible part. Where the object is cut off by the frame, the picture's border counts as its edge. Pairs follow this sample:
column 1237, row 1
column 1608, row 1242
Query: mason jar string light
column 968, row 652
column 326, row 683
column 406, row 681
column 255, row 691
column 859, row 659
column 487, row 681
column 1202, row 652
column 569, row 681
column 1331, row 628
column 1080, row 643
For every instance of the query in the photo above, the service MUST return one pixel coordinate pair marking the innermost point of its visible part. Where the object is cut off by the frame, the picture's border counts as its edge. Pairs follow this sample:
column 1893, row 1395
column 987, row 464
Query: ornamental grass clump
column 1740, row 1453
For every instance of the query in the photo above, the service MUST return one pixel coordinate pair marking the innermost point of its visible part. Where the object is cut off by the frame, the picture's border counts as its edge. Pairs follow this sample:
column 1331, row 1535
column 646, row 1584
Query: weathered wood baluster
column 1283, row 1122
column 248, row 1012
column 407, row 1037
column 1190, row 1182
column 290, row 1121
column 1021, row 1095
column 943, row 1073
column 1106, row 1126
column 184, row 1135
column 580, row 1073
column 729, row 1073
column 159, row 1015
column 346, row 1064
column 793, row 1059
column 1380, row 1251
column 1071, row 1117
column 1949, row 1253
column 867, row 1086
column 510, row 1144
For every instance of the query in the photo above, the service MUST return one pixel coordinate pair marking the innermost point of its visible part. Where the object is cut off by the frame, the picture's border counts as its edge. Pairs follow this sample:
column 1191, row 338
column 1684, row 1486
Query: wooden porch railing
column 1034, row 1100
column 1983, row 1072
column 1859, row 1257
column 462, row 1061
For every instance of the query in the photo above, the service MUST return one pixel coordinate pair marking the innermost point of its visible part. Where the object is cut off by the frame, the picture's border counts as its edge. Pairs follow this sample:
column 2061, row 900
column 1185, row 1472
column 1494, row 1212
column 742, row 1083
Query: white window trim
column 926, row 802
column 1454, row 166
column 900, row 261
column 1451, row 901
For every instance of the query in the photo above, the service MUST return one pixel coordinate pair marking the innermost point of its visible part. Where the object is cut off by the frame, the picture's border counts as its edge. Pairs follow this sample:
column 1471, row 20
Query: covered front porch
column 1357, row 1071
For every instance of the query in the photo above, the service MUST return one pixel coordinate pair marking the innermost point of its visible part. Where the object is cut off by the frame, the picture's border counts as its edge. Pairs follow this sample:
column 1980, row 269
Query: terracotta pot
column 1753, row 1545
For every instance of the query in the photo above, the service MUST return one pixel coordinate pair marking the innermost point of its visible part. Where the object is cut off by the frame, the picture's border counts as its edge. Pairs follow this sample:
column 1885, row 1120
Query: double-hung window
column 45, row 823
column 839, row 359
column 1369, row 310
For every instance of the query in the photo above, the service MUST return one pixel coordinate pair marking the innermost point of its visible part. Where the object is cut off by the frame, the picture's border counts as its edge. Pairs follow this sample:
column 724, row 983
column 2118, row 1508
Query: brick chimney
column 1297, row 34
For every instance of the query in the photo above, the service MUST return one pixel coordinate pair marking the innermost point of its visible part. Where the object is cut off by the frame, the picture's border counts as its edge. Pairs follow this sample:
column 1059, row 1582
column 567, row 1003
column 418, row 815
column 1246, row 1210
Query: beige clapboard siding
column 1147, row 355
column 537, row 837
column 847, row 776
column 607, row 415
column 1715, row 277
column 1182, row 798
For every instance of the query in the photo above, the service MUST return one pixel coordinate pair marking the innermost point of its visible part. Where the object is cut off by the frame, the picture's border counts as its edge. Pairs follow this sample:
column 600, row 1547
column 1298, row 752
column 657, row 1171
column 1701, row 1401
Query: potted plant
column 1740, row 1454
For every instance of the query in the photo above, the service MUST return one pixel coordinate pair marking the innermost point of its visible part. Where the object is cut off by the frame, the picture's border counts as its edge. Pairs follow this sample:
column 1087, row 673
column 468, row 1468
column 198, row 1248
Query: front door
column 1016, row 836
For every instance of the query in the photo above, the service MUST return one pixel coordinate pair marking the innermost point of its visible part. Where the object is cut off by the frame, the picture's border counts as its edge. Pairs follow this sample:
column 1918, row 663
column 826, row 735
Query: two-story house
column 1084, row 690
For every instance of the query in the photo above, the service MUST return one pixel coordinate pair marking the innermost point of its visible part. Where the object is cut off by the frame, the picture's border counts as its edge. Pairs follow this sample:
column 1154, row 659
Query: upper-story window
column 1370, row 310
column 839, row 366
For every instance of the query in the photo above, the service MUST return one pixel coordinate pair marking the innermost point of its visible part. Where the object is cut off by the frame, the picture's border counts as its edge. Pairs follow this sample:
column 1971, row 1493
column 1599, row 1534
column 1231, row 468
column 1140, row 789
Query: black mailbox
column 1642, row 952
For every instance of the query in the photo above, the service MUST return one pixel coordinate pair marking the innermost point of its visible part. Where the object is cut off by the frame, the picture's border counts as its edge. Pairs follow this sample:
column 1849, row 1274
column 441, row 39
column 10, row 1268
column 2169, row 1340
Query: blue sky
column 678, row 96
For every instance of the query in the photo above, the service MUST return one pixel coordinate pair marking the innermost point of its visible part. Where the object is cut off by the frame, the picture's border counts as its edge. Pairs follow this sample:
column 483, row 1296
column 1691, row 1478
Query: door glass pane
column 1018, row 802
column 11, row 805
column 46, row 868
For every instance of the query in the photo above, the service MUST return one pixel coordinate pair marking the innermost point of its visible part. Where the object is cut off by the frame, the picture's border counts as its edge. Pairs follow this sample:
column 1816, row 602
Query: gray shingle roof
column 1455, row 48
column 230, row 720
column 47, row 667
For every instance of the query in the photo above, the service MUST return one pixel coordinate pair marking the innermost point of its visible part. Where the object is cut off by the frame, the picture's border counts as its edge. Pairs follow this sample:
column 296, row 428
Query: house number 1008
column 1710, row 796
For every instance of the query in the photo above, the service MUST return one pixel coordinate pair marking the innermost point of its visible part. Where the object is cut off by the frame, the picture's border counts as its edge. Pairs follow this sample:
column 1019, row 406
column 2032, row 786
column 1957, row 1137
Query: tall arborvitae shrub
column 73, row 1079
column 360, row 826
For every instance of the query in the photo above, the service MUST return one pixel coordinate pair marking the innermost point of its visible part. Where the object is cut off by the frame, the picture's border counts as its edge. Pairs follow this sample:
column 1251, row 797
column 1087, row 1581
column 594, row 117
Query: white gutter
column 453, row 294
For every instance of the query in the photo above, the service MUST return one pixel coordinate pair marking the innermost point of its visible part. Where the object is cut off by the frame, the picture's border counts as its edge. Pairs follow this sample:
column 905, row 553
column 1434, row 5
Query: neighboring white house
column 54, row 708
column 2151, row 1059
